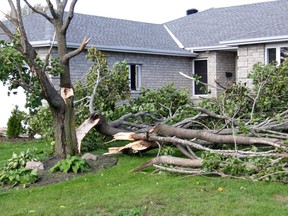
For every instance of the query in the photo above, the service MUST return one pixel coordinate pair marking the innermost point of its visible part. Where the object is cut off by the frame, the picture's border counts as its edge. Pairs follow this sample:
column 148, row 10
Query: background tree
column 27, row 10
column 14, row 126
column 61, row 104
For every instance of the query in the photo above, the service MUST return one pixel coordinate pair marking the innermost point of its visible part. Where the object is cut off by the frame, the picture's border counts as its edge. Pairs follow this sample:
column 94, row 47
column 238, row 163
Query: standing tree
column 61, row 103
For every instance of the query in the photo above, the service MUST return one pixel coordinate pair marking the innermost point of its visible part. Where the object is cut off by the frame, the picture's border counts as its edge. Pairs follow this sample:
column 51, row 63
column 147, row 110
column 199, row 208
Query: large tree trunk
column 65, row 134
column 64, row 118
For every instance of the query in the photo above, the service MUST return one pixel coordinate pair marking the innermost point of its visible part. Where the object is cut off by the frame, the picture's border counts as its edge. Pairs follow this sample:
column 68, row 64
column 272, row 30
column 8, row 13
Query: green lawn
column 117, row 191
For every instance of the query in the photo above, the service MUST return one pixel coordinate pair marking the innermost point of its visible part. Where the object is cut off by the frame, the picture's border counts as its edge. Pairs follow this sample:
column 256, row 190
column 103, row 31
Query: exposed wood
column 85, row 127
column 67, row 93
column 135, row 147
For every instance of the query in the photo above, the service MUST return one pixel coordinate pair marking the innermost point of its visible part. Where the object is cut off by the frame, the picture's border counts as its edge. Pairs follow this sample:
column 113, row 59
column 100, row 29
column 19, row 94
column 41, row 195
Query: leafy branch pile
column 242, row 133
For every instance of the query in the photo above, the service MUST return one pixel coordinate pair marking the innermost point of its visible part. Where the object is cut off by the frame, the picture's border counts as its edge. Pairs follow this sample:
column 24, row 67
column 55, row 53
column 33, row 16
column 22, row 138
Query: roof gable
column 210, row 27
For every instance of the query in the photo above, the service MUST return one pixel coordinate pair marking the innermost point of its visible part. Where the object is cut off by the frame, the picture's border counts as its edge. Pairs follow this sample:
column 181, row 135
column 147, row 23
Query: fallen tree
column 242, row 133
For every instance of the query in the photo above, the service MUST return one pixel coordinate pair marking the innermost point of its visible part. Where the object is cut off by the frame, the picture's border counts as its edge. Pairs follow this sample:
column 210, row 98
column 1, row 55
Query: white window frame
column 137, row 76
column 277, row 46
column 193, row 81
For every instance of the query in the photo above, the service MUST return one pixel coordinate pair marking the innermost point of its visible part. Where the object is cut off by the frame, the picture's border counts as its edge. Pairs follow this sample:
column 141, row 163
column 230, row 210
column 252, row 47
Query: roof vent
column 191, row 11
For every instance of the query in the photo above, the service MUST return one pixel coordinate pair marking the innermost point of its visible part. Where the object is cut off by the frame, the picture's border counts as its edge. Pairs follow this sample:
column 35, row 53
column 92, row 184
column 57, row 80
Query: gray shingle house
column 218, row 44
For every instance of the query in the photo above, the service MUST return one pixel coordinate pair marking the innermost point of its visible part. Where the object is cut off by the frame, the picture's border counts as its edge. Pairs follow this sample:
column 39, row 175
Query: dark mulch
column 18, row 139
column 102, row 162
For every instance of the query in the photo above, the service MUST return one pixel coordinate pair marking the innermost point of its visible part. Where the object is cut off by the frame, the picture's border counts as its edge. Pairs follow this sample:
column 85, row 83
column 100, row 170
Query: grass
column 7, row 149
column 117, row 191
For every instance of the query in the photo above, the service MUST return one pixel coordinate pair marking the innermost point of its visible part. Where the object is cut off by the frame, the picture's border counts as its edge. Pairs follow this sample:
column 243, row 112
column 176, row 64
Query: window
column 135, row 76
column 271, row 54
column 276, row 53
column 200, row 70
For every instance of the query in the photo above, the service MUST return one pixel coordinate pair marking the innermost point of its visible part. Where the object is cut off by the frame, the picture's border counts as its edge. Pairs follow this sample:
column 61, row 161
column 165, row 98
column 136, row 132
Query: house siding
column 210, row 56
column 79, row 65
column 157, row 70
column 225, row 66
column 248, row 56
column 219, row 62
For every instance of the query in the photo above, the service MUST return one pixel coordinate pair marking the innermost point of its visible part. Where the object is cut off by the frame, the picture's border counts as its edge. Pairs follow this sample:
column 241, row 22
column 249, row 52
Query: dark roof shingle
column 203, row 29
column 212, row 26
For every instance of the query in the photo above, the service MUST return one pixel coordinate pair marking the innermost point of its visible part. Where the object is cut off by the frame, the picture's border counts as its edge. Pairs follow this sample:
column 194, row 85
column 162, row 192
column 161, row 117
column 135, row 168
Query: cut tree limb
column 169, row 131
column 166, row 159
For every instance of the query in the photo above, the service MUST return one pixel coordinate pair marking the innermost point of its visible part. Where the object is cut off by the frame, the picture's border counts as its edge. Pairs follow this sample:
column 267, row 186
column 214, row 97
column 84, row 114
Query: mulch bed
column 19, row 139
column 102, row 162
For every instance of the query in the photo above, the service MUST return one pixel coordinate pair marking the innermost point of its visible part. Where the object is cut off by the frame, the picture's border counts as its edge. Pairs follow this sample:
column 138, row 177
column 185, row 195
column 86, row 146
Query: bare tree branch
column 92, row 97
column 195, row 172
column 185, row 152
column 121, row 120
column 6, row 30
column 205, row 84
column 49, row 53
column 70, row 15
column 73, row 53
column 211, row 114
column 256, row 98
column 13, row 9
column 52, row 10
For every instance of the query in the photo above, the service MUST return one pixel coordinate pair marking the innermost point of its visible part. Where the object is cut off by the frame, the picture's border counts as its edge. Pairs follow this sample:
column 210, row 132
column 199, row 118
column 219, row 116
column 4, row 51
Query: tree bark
column 170, row 131
column 170, row 160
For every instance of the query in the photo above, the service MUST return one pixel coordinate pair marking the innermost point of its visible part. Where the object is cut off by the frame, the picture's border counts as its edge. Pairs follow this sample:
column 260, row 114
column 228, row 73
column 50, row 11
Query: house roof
column 217, row 27
column 107, row 34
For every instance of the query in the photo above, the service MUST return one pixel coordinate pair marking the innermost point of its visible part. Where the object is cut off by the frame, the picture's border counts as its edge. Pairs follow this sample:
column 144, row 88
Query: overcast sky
column 153, row 11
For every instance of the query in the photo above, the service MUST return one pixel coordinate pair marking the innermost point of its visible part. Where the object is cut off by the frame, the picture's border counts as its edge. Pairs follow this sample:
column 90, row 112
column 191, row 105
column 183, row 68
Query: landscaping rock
column 37, row 136
column 34, row 165
column 89, row 156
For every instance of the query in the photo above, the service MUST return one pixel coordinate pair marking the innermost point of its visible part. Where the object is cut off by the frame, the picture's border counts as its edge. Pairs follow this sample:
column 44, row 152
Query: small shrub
column 21, row 176
column 71, row 164
column 14, row 127
column 41, row 123
column 18, row 161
